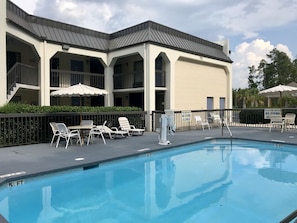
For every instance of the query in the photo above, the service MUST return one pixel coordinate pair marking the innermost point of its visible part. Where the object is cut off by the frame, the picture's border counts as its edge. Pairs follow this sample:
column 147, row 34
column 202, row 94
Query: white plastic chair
column 290, row 120
column 85, row 132
column 201, row 122
column 87, row 122
column 96, row 130
column 277, row 121
column 216, row 119
column 66, row 134
column 55, row 131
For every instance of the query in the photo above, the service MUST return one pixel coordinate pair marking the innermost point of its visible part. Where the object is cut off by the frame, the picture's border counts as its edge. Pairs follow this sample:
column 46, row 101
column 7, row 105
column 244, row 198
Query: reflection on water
column 165, row 174
column 181, row 185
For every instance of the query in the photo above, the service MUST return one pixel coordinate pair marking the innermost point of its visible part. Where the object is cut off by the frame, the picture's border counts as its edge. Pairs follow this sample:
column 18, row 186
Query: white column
column 170, row 82
column 108, row 83
column 44, row 72
column 3, row 72
column 149, row 85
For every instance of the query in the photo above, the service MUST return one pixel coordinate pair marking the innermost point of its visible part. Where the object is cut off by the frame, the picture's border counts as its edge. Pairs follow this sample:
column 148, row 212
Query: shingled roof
column 147, row 32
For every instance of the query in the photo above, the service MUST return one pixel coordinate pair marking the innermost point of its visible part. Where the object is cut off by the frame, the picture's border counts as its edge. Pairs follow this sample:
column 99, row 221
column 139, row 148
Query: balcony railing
column 127, row 80
column 135, row 80
column 21, row 74
column 66, row 78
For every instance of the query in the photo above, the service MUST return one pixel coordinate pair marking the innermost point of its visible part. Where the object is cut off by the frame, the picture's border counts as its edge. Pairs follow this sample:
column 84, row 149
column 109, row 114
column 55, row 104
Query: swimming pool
column 213, row 181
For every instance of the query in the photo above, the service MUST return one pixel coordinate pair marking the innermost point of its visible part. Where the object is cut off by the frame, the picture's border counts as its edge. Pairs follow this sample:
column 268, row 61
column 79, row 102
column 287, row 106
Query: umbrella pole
column 80, row 108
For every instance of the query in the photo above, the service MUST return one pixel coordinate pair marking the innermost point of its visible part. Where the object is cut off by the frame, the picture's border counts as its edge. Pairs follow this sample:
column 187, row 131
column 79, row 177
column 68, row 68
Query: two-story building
column 148, row 65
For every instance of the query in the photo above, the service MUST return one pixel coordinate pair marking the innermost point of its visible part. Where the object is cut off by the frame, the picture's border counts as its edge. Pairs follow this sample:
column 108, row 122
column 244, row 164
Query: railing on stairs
column 22, row 74
column 224, row 123
column 290, row 218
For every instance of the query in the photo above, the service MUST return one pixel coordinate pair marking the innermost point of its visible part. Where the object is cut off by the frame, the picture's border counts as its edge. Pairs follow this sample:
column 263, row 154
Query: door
column 160, row 100
column 222, row 106
column 209, row 106
column 136, row 100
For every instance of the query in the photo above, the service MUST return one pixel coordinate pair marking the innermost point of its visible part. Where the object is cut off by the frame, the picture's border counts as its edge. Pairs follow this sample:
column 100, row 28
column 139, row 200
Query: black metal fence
column 185, row 120
column 24, row 129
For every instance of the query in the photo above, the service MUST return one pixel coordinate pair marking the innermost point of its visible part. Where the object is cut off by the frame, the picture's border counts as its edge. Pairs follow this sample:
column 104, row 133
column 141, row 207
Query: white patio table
column 80, row 128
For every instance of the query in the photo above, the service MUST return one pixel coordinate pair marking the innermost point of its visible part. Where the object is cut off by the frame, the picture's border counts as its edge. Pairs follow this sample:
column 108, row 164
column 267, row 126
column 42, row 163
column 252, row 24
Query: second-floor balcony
column 135, row 80
column 66, row 78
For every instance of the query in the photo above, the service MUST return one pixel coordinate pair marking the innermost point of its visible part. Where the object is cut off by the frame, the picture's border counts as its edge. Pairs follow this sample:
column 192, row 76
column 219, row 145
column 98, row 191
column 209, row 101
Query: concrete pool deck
column 19, row 162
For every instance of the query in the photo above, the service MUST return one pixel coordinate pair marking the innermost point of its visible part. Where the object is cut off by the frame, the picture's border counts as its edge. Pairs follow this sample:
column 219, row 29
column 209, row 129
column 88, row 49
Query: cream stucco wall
column 3, row 87
column 195, row 81
column 190, row 78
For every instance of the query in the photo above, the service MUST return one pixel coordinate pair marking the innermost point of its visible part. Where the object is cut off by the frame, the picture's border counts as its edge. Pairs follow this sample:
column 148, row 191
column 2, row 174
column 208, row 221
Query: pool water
column 213, row 181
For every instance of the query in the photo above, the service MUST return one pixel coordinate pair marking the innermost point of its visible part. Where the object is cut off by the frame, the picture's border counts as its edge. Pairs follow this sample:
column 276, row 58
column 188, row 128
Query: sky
column 253, row 27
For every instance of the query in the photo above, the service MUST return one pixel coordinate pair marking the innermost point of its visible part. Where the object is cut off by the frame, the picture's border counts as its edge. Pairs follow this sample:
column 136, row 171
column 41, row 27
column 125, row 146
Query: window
column 55, row 77
column 138, row 74
column 118, row 76
column 159, row 73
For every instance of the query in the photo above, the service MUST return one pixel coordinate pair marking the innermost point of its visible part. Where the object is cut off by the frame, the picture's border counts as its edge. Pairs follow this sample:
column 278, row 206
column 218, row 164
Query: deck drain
column 79, row 159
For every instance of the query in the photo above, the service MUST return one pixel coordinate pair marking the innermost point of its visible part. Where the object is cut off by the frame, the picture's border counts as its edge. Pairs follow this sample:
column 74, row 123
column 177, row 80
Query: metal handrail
column 224, row 123
column 290, row 217
column 227, row 126
column 22, row 74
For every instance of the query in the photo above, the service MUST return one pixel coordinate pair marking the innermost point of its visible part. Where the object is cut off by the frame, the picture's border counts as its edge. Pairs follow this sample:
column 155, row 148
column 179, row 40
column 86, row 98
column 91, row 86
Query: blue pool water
column 207, row 182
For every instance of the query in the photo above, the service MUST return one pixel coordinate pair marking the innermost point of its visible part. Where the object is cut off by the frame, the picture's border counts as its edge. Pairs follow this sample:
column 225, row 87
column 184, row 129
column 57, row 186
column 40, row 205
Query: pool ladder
column 290, row 217
column 224, row 123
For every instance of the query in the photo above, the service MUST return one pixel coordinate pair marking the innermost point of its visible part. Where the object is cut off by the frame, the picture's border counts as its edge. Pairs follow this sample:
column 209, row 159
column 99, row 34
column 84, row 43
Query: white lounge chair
column 66, row 134
column 130, row 129
column 201, row 122
column 113, row 132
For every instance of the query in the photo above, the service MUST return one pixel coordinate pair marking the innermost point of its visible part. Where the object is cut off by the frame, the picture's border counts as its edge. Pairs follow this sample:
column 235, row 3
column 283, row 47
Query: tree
column 255, row 76
column 276, row 69
column 252, row 83
column 247, row 98
column 279, row 70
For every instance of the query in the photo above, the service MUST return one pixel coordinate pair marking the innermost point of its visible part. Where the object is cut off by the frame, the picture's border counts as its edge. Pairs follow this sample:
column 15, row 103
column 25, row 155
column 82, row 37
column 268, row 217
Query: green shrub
column 25, row 108
column 252, row 116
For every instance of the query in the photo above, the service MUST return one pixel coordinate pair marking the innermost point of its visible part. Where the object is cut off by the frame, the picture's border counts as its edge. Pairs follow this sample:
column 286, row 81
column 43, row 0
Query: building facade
column 149, row 65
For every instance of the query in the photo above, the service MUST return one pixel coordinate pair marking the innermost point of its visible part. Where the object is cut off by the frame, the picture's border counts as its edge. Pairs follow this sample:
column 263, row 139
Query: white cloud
column 248, row 54
column 28, row 6
column 252, row 157
column 250, row 17
column 209, row 19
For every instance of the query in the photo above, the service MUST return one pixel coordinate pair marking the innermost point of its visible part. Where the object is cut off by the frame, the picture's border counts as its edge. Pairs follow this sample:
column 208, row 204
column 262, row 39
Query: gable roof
column 147, row 32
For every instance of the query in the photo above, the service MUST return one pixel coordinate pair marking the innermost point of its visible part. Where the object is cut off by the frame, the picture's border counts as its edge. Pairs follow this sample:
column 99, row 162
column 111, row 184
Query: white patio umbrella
column 278, row 91
column 79, row 90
